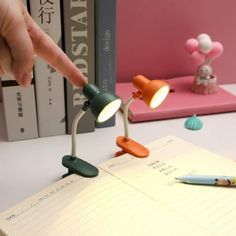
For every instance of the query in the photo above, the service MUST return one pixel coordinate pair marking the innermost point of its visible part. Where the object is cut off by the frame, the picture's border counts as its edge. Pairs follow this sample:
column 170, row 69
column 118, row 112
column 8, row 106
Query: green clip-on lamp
column 103, row 106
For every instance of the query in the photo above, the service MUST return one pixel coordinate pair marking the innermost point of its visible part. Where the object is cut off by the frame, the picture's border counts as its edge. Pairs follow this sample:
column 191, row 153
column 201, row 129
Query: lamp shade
column 153, row 92
column 103, row 105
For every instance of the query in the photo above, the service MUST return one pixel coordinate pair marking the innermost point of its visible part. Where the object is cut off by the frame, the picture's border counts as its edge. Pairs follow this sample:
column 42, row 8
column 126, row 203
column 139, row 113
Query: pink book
column 180, row 103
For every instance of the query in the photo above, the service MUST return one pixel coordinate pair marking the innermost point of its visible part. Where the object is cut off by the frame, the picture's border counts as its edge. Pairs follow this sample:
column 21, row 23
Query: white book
column 19, row 110
column 133, row 196
column 50, row 98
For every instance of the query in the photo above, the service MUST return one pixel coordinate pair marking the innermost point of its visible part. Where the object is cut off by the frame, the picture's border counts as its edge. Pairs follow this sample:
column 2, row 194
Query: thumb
column 6, row 61
column 5, row 58
column 17, row 46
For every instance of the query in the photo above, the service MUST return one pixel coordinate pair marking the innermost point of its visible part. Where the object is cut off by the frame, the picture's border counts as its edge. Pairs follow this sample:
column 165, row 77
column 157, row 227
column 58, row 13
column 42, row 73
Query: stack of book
column 86, row 32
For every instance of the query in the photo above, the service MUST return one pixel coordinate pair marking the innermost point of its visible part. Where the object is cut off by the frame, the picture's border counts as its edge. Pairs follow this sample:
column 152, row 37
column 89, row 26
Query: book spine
column 19, row 110
column 78, row 25
column 105, row 49
column 49, row 84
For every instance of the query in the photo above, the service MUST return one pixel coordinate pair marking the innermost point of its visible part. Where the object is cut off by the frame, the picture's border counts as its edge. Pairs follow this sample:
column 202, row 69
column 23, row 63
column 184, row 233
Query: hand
column 21, row 39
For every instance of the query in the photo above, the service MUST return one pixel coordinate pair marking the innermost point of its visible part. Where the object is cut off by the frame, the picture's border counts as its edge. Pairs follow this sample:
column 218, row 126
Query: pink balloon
column 216, row 51
column 197, row 58
column 191, row 45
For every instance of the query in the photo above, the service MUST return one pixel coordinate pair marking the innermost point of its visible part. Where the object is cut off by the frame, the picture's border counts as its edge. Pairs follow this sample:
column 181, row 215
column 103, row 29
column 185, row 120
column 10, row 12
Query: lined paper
column 101, row 206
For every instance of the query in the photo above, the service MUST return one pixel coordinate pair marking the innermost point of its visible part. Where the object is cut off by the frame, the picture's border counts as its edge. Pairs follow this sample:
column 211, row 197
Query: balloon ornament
column 202, row 52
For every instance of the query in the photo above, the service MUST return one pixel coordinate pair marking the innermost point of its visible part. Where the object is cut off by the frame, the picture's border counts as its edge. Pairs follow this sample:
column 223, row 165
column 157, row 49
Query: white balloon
column 203, row 36
column 205, row 45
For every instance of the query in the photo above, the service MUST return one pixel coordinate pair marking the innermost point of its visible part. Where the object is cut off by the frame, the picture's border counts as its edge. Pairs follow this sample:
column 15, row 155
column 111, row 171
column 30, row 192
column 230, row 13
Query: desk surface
column 27, row 167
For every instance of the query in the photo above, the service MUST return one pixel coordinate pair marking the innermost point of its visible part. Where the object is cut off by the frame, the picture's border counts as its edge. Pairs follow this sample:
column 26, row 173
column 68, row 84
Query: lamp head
column 153, row 92
column 102, row 104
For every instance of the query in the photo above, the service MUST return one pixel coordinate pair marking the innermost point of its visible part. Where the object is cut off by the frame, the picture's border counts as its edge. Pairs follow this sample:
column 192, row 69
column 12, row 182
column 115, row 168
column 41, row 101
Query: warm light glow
column 159, row 96
column 109, row 110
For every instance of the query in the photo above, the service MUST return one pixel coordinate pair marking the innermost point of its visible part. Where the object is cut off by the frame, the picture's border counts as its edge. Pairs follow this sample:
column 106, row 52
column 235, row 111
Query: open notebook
column 133, row 196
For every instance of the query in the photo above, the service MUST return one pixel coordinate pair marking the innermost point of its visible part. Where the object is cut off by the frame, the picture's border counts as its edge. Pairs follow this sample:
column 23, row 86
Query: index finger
column 48, row 50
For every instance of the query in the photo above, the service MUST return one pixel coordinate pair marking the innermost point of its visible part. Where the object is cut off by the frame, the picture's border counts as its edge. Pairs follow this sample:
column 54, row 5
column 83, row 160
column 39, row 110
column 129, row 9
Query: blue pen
column 208, row 180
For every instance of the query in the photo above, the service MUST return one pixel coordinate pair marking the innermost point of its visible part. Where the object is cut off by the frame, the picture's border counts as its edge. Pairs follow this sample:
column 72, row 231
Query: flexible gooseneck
column 73, row 132
column 75, row 122
column 125, row 116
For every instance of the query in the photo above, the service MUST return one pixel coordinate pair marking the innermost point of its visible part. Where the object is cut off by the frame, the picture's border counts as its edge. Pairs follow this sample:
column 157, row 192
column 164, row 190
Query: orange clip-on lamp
column 153, row 93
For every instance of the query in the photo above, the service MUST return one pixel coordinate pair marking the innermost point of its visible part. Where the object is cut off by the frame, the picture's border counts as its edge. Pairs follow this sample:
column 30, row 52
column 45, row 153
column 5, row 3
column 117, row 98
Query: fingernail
column 26, row 79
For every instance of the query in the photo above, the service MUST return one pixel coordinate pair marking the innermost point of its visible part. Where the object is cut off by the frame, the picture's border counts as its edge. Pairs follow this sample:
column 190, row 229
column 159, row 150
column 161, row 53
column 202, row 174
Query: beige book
column 133, row 196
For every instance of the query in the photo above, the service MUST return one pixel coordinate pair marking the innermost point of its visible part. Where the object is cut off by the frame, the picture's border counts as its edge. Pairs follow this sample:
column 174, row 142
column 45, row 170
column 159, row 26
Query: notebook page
column 212, row 207
column 99, row 206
